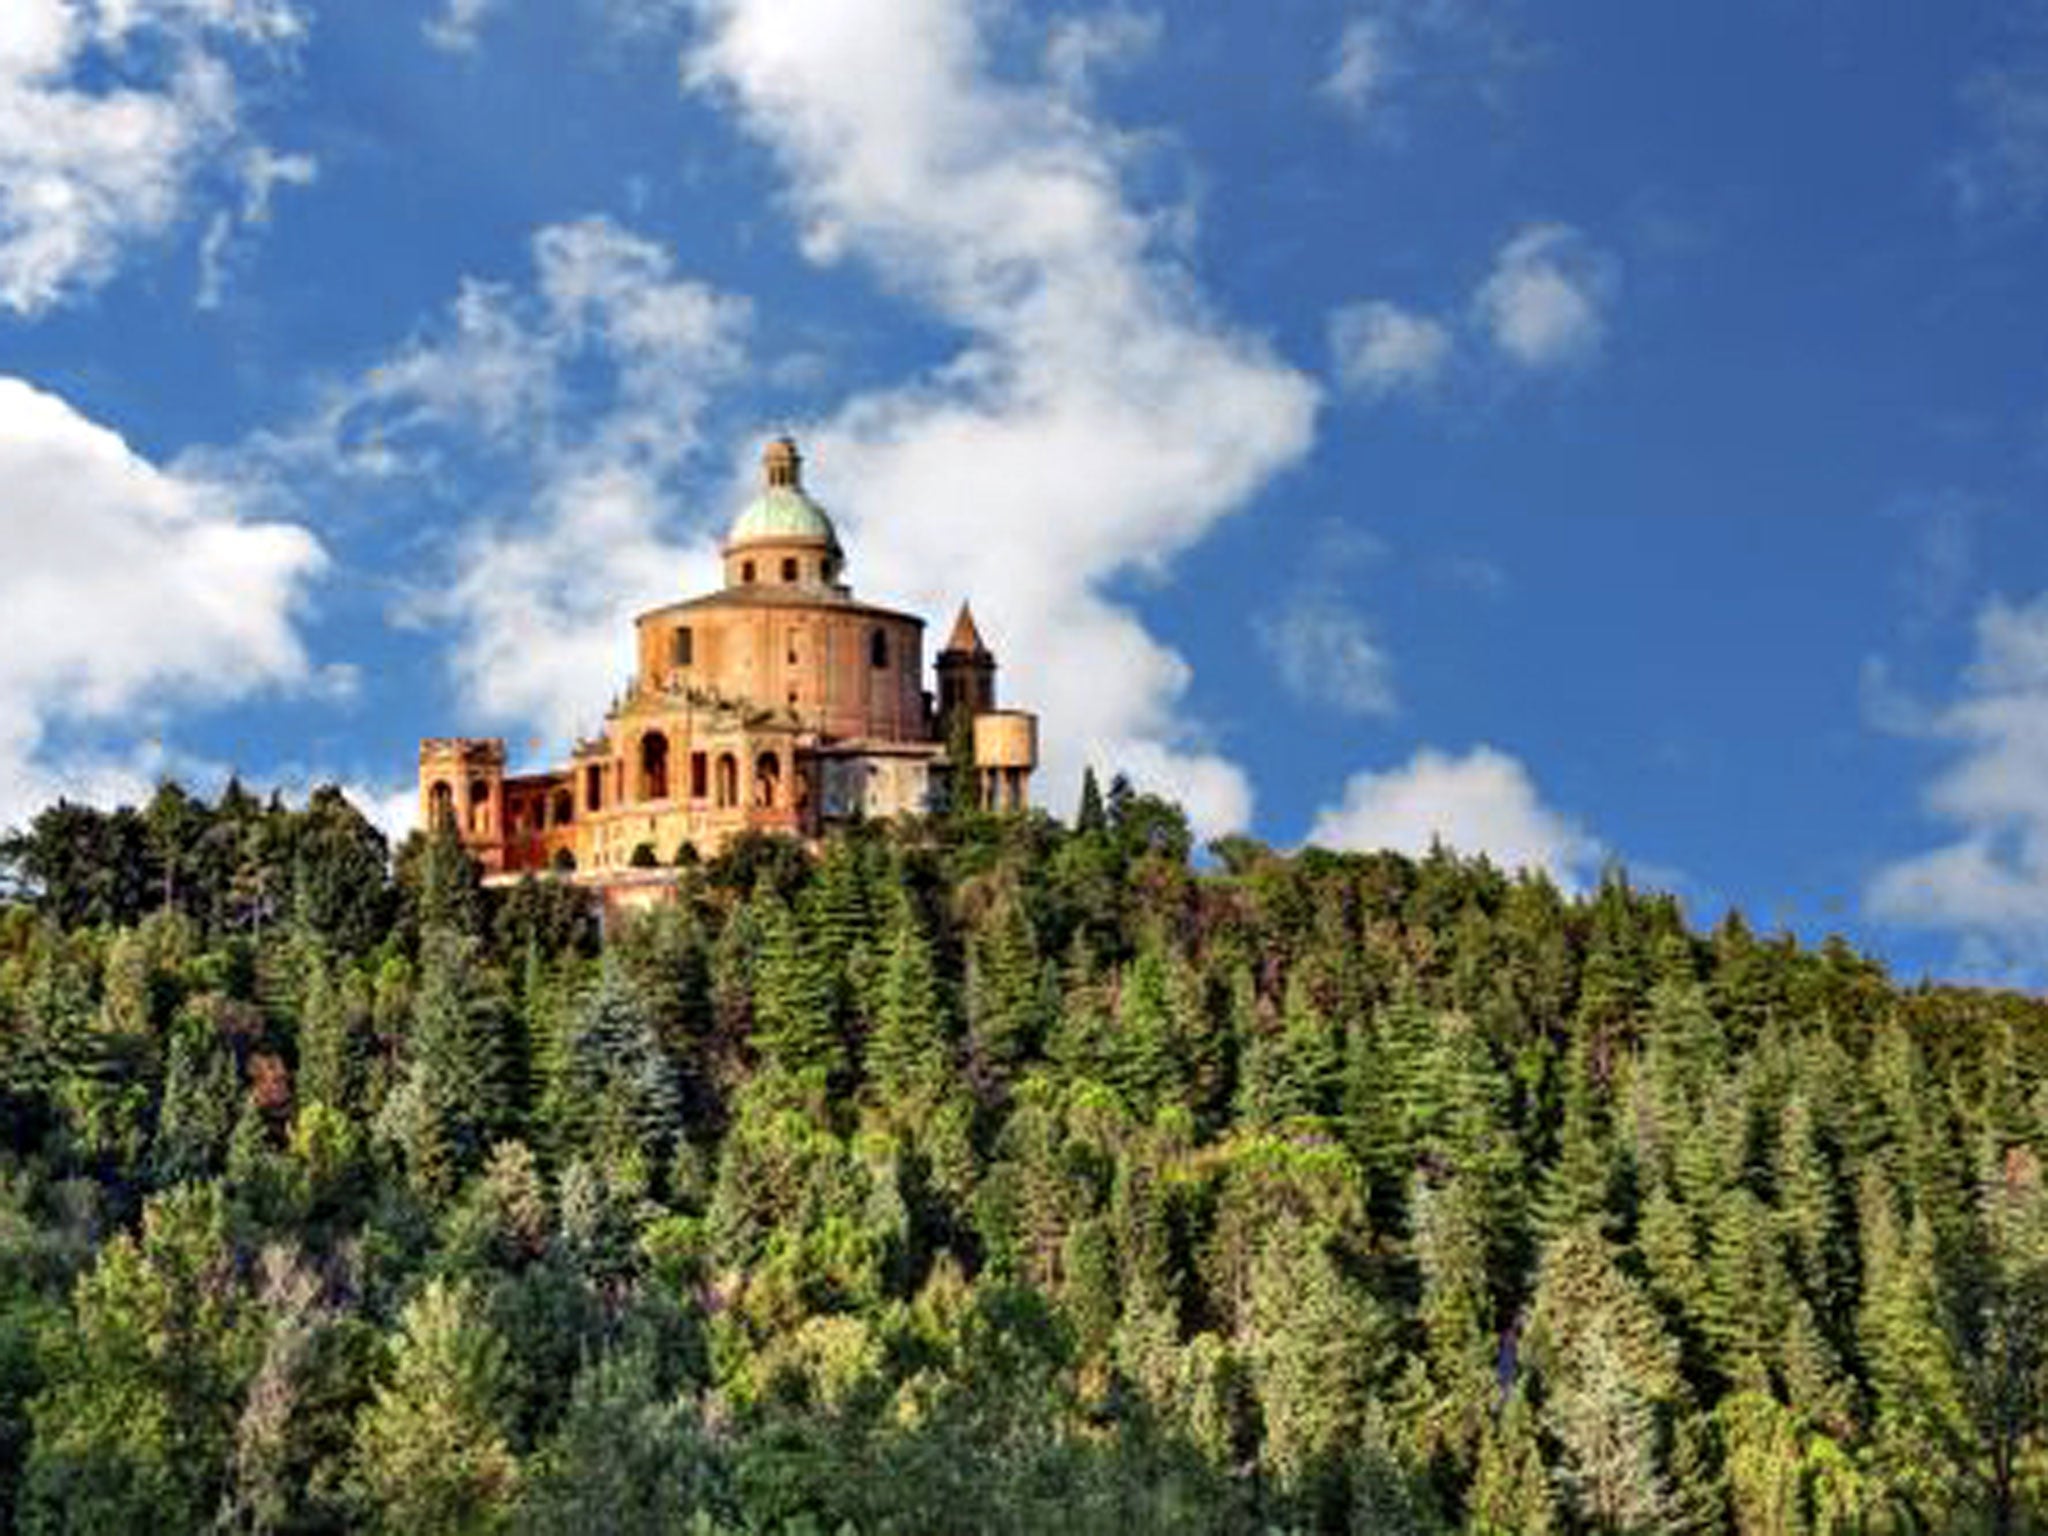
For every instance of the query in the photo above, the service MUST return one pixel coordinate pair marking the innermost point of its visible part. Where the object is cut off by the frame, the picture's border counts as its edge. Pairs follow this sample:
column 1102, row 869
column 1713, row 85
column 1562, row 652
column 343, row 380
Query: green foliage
column 795, row 1004
column 973, row 1173
column 134, row 1426
column 431, row 1448
column 454, row 1095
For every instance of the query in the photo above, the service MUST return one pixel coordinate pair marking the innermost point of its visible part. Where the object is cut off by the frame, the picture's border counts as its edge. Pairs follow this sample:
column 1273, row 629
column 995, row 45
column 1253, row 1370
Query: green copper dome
column 782, row 513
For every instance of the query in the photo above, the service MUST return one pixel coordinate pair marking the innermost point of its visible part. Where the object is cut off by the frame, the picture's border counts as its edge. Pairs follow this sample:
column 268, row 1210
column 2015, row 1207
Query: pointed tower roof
column 965, row 639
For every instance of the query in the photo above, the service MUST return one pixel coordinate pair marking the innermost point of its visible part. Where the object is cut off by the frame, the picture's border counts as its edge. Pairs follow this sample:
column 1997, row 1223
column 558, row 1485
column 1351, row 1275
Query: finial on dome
column 782, row 467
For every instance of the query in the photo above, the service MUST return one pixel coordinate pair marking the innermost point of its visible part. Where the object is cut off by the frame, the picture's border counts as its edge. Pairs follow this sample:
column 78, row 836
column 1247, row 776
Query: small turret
column 1004, row 741
column 462, row 785
column 967, row 672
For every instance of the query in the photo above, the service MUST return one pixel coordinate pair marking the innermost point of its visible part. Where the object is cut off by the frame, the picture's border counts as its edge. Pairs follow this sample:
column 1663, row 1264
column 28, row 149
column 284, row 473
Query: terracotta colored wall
column 745, row 653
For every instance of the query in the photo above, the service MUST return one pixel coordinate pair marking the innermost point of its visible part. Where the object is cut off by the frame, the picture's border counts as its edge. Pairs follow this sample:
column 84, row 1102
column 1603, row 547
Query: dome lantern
column 782, row 467
column 783, row 537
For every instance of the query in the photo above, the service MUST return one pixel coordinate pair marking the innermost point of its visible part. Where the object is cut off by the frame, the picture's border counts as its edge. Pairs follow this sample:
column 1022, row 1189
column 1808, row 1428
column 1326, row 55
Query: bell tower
column 967, row 672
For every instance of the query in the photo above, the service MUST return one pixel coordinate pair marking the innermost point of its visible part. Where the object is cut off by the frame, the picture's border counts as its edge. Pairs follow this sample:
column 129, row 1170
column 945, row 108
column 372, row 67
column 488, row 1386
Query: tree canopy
column 976, row 1172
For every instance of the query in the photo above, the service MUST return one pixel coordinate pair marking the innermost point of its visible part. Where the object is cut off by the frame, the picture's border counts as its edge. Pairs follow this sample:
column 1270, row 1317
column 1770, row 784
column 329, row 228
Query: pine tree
column 1006, row 992
column 836, row 907
column 333, row 1039
column 1456, row 1310
column 1610, row 1382
column 133, row 1429
column 455, row 1095
column 1148, row 1064
column 627, row 1453
column 197, row 1114
column 1512, row 1493
column 612, row 1096
column 796, row 1021
column 448, row 894
column 1310, row 1066
column 735, row 965
column 432, row 1450
column 908, row 1056
column 1585, row 1183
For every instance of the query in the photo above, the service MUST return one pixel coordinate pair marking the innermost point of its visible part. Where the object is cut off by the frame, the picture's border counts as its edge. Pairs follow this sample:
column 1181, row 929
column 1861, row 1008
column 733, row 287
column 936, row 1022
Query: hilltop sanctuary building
column 778, row 703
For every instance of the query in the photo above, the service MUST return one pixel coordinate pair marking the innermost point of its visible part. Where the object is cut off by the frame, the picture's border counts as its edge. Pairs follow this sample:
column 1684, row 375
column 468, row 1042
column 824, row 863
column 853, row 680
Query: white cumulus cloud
column 1989, row 883
column 1380, row 348
column 1099, row 417
column 1545, row 302
column 114, row 118
column 126, row 588
column 1484, row 802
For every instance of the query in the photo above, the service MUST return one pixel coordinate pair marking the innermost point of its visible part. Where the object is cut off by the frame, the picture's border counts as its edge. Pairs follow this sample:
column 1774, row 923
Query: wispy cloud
column 458, row 26
column 583, row 389
column 1081, row 47
column 263, row 171
column 114, row 122
column 1322, row 645
column 1544, row 304
column 1389, row 50
column 1364, row 66
column 1380, row 349
column 2003, row 168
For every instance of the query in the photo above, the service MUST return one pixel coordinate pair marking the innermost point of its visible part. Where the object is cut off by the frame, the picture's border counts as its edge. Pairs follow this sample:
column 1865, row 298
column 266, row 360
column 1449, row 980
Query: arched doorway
column 479, row 806
column 654, row 766
column 441, row 806
column 728, row 780
column 767, row 781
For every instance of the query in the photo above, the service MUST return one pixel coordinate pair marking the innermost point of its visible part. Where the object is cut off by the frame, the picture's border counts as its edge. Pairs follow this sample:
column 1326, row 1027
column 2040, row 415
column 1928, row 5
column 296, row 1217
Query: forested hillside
column 984, row 1175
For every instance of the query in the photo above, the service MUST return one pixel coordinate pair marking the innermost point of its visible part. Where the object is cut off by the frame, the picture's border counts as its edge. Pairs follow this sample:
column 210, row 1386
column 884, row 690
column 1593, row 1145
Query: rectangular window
column 680, row 648
column 700, row 775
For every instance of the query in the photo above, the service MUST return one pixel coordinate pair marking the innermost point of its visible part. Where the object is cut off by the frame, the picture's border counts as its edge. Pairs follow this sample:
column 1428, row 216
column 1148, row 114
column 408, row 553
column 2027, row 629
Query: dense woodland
column 982, row 1174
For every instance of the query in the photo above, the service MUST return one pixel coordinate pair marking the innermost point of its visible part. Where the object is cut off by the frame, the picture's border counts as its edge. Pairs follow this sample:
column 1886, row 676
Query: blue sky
column 1602, row 431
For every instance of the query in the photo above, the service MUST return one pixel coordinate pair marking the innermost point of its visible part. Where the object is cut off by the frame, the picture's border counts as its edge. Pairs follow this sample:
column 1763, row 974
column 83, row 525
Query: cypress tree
column 1091, row 818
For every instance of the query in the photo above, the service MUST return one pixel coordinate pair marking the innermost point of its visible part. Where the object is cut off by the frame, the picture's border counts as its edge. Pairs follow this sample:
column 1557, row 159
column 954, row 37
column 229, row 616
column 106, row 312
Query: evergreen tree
column 1610, row 1383
column 626, row 1453
column 455, row 1094
column 1091, row 817
column 133, row 1429
column 908, row 1056
column 612, row 1097
column 1006, row 992
column 431, row 1450
column 796, row 1014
